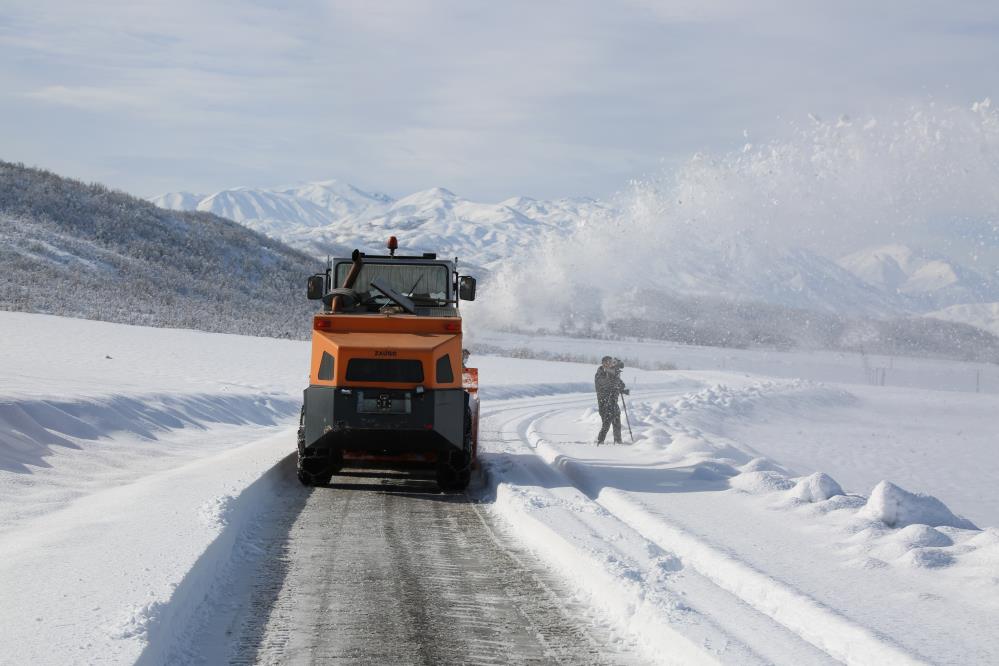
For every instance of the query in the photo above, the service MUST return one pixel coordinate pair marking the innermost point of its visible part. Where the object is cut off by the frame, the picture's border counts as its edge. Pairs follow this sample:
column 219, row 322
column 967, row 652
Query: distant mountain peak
column 178, row 200
column 931, row 280
column 433, row 193
column 334, row 187
column 515, row 202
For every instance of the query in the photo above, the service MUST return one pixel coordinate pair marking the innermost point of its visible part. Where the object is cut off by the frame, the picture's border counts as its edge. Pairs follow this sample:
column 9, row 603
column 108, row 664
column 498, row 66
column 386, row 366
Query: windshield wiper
column 402, row 301
column 415, row 285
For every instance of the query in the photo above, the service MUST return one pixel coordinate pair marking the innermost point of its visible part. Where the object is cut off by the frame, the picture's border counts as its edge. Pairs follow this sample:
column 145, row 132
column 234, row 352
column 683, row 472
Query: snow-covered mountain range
column 930, row 284
column 333, row 217
column 928, row 280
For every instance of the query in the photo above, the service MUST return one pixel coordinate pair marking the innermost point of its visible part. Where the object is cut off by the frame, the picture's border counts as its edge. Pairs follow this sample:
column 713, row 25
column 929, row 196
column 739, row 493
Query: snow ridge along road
column 676, row 615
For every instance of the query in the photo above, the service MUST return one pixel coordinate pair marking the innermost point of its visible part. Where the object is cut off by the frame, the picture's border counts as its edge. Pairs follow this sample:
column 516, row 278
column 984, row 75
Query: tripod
column 627, row 419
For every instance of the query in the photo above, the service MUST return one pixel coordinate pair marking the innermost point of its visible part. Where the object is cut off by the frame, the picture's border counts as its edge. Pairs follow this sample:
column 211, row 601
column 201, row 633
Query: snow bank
column 617, row 573
column 892, row 525
column 712, row 407
column 836, row 635
column 761, row 464
column 981, row 558
column 685, row 435
column 682, row 423
column 680, row 454
column 130, row 479
column 130, row 567
column 896, row 507
column 761, row 477
column 30, row 429
column 793, row 546
column 917, row 546
column 166, row 626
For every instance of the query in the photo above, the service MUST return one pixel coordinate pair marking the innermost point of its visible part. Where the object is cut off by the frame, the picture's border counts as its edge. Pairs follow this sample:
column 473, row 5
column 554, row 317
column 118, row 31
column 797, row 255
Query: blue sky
column 488, row 99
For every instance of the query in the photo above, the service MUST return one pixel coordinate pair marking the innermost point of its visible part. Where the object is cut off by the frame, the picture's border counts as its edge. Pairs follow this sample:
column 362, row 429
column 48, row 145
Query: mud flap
column 454, row 469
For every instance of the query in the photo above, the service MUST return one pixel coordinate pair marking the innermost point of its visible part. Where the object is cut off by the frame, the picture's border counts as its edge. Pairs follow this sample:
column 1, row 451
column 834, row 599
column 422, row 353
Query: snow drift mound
column 891, row 526
column 898, row 508
column 817, row 487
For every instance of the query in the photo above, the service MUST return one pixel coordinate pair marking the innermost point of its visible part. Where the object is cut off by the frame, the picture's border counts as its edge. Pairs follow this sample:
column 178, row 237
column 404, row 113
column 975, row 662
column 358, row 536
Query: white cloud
column 490, row 99
column 90, row 97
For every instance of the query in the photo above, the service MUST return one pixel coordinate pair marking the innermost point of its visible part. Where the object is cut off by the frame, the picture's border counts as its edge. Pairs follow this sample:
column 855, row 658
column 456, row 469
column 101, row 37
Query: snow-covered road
column 149, row 512
column 383, row 569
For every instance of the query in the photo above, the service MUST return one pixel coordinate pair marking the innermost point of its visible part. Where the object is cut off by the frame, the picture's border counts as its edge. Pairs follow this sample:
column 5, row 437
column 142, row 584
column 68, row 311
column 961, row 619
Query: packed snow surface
column 774, row 508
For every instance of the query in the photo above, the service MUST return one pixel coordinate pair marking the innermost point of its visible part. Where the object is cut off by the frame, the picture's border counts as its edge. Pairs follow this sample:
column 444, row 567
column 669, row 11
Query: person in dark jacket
column 609, row 387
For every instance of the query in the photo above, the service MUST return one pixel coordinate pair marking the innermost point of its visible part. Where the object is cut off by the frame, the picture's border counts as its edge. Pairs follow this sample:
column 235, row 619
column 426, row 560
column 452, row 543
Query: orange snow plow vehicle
column 387, row 385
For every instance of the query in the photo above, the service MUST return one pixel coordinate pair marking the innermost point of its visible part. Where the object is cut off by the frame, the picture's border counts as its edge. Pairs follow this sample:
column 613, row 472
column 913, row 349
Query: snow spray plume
column 765, row 222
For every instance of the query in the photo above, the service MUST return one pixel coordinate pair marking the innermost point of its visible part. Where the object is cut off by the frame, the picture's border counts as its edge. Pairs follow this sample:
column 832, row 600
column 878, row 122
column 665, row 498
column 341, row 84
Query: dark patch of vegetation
column 718, row 323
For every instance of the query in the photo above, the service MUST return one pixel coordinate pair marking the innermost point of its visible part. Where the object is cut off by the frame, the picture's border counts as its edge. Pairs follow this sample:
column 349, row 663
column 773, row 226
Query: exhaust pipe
column 349, row 280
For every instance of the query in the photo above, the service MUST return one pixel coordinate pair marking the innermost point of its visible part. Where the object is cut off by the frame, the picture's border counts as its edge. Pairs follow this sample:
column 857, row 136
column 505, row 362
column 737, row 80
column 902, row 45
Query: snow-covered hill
column 980, row 315
column 86, row 251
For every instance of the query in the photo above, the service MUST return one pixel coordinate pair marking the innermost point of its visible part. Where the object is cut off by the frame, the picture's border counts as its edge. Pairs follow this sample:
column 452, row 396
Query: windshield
column 425, row 284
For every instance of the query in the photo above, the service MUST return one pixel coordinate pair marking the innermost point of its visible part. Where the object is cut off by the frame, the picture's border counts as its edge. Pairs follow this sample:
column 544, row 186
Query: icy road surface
column 381, row 568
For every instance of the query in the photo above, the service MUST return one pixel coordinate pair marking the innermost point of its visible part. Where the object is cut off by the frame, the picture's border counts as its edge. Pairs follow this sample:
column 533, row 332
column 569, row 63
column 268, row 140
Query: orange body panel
column 387, row 323
column 387, row 336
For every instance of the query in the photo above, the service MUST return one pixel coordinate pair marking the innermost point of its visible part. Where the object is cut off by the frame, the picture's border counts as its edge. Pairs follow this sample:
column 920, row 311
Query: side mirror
column 466, row 288
column 317, row 285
